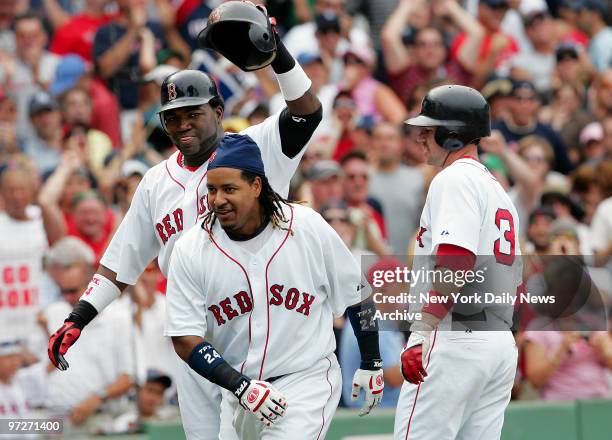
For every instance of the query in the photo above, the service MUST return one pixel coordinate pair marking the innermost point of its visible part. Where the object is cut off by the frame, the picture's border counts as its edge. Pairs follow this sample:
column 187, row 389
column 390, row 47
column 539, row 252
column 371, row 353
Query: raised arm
column 468, row 54
column 396, row 54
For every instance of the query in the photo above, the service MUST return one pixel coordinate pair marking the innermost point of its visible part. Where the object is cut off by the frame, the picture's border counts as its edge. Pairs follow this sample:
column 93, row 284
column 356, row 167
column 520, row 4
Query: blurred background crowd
column 79, row 92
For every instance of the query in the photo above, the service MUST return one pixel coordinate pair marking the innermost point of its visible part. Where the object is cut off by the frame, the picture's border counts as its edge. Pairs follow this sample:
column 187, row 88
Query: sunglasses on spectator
column 70, row 291
column 535, row 158
column 500, row 7
column 357, row 176
column 525, row 97
column 353, row 60
column 427, row 44
column 535, row 19
column 336, row 218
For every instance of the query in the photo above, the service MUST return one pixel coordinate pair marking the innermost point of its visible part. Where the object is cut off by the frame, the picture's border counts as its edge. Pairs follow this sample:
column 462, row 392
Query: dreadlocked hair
column 271, row 203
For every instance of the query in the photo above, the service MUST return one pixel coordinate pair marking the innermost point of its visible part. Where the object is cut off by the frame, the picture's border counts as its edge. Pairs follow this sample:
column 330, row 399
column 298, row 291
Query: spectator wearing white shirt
column 21, row 389
column 101, row 367
column 148, row 305
column 27, row 231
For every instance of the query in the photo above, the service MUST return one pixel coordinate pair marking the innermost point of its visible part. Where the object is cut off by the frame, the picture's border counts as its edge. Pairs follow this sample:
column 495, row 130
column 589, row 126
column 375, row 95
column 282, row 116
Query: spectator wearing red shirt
column 72, row 72
column 356, row 188
column 496, row 47
column 91, row 221
column 76, row 34
column 411, row 64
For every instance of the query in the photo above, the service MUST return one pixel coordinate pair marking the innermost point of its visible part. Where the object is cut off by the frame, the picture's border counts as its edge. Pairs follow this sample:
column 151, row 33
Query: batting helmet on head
column 460, row 113
column 242, row 33
column 186, row 88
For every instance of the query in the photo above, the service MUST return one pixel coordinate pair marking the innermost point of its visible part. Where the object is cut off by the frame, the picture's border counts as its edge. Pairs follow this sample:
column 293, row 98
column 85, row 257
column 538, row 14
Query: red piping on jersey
column 179, row 160
column 198, row 196
column 330, row 395
column 263, row 360
column 171, row 177
column 416, row 396
column 248, row 282
column 467, row 156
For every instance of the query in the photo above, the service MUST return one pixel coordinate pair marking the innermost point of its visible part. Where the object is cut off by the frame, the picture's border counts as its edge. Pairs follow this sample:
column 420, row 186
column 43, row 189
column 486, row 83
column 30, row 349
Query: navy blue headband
column 238, row 151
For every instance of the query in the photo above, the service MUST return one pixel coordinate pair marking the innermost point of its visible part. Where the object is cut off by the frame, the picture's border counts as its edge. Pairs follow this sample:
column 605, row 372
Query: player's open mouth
column 186, row 139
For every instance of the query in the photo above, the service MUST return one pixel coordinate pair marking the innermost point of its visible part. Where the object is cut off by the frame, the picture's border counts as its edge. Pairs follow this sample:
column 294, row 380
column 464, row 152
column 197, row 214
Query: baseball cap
column 532, row 7
column 132, row 167
column 387, row 263
column 523, row 84
column 595, row 5
column 327, row 21
column 69, row 70
column 10, row 347
column 591, row 132
column 495, row 3
column 154, row 375
column 304, row 59
column 323, row 169
column 497, row 87
column 567, row 49
column 563, row 227
column 160, row 73
column 41, row 101
column 545, row 211
column 363, row 53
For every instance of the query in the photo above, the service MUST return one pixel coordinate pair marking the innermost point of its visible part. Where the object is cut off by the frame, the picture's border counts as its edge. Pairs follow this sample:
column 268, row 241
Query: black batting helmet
column 242, row 33
column 460, row 113
column 186, row 88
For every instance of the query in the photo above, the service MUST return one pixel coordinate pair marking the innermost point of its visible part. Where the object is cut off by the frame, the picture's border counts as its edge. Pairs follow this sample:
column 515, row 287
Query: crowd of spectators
column 79, row 94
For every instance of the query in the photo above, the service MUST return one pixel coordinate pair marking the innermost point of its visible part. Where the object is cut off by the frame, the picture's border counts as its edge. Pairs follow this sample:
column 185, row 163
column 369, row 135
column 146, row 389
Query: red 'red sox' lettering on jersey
column 170, row 225
column 224, row 311
column 291, row 299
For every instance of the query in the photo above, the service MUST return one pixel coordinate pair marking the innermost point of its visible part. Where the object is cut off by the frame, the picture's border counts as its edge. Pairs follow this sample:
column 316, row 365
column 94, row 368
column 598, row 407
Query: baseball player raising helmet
column 252, row 294
column 172, row 195
column 459, row 380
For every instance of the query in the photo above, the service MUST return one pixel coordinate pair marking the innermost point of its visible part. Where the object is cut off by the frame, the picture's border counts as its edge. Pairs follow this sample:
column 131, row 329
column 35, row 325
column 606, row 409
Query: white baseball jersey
column 21, row 257
column 467, row 207
column 267, row 308
column 469, row 373
column 170, row 199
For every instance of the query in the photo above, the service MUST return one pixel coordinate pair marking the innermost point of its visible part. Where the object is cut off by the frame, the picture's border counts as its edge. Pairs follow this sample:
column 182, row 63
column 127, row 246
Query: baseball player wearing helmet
column 459, row 380
column 252, row 294
column 172, row 197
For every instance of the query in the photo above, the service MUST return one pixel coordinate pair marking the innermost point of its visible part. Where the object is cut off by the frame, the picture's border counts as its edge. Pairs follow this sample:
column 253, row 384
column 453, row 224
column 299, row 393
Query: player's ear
column 257, row 186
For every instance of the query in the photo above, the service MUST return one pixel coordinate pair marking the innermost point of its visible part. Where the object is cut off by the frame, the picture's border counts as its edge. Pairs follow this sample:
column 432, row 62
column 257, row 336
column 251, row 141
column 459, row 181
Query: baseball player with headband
column 172, row 195
column 252, row 294
column 459, row 380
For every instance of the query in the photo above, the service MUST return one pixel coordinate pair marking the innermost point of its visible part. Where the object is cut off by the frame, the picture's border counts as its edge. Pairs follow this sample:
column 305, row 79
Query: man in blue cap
column 232, row 283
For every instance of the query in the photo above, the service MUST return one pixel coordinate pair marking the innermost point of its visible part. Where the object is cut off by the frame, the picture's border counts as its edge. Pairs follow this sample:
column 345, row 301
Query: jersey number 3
column 504, row 246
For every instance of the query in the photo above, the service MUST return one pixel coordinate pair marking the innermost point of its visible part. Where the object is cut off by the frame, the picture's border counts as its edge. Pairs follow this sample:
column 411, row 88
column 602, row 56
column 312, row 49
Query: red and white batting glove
column 373, row 383
column 265, row 401
column 415, row 352
column 61, row 341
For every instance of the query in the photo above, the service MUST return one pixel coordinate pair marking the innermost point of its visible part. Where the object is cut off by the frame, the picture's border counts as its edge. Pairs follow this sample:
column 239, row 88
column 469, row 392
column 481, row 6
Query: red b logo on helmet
column 171, row 92
column 253, row 395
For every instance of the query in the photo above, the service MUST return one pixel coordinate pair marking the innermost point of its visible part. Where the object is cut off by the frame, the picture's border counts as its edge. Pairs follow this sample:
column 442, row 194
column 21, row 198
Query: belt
column 272, row 379
column 480, row 316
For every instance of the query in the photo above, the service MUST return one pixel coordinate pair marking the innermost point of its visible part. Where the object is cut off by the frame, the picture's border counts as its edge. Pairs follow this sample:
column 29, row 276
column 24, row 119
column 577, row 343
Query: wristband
column 82, row 314
column 208, row 363
column 294, row 83
column 100, row 292
column 365, row 327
